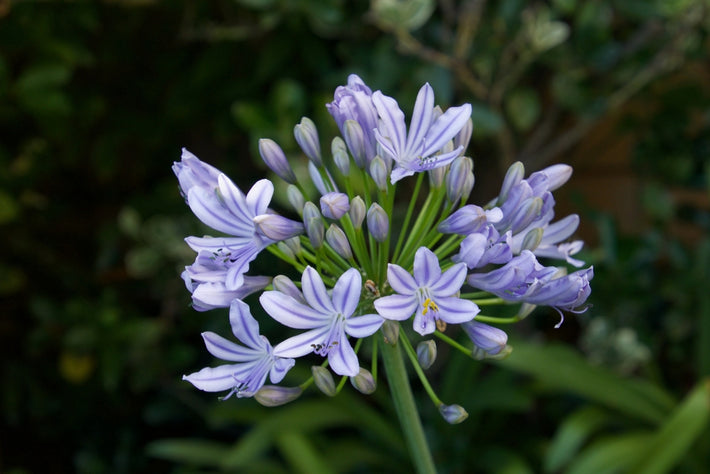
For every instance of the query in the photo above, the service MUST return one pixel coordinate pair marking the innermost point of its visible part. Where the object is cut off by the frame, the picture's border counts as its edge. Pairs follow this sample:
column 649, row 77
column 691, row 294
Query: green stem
column 406, row 408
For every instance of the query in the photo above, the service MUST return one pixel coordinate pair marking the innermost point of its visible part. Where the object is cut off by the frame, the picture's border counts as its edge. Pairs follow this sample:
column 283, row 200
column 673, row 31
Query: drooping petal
column 396, row 307
column 315, row 293
column 302, row 344
column 426, row 267
column 450, row 281
column 346, row 293
column 227, row 350
column 400, row 280
column 290, row 312
column 363, row 326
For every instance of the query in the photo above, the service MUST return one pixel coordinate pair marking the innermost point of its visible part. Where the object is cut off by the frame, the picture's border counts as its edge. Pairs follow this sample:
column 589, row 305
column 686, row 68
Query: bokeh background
column 96, row 101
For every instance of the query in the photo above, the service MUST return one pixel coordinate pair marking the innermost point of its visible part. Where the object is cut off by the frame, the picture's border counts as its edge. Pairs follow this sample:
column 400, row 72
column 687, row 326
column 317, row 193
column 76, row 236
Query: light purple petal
column 215, row 379
column 346, row 293
column 280, row 368
column 363, row 326
column 233, row 199
column 211, row 211
column 400, row 173
column 400, row 280
column 426, row 267
column 424, row 324
column 290, row 312
column 456, row 310
column 215, row 244
column 421, row 120
column 259, row 197
column 227, row 350
column 302, row 344
column 445, row 128
column 315, row 292
column 245, row 327
column 396, row 307
column 433, row 161
column 393, row 119
column 342, row 358
column 450, row 281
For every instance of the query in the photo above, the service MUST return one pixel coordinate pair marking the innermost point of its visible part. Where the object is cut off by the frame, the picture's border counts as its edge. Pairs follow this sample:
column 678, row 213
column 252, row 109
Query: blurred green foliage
column 96, row 99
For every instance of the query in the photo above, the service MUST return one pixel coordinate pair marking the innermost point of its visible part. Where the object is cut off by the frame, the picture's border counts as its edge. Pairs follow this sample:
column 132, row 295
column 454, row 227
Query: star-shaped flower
column 430, row 294
column 255, row 360
column 416, row 150
column 329, row 318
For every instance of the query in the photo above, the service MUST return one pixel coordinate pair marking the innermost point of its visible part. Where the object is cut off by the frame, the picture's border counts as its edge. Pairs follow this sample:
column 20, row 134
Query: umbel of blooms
column 387, row 250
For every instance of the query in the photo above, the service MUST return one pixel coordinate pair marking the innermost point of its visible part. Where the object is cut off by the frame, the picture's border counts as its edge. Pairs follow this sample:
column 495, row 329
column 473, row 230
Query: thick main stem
column 406, row 408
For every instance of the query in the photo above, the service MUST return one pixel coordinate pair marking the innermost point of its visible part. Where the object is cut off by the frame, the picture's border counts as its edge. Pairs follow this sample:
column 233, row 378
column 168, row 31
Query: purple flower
column 329, row 318
column 219, row 204
column 429, row 295
column 416, row 150
column 334, row 205
column 255, row 360
column 487, row 340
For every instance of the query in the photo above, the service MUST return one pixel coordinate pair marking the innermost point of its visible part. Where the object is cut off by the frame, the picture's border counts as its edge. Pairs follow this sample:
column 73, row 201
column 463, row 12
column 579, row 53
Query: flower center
column 429, row 304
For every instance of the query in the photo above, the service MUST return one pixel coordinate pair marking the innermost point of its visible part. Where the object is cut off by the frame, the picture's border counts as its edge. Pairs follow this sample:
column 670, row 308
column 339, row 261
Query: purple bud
column 488, row 341
column 557, row 175
column 437, row 176
column 461, row 169
column 276, row 227
column 306, row 135
column 337, row 239
column 390, row 332
column 512, row 177
column 192, row 172
column 323, row 380
column 355, row 138
column 364, row 382
column 334, row 205
column 453, row 414
column 295, row 198
column 379, row 173
column 426, row 353
column 357, row 212
column 377, row 222
column 315, row 228
column 532, row 239
column 285, row 285
column 469, row 219
column 273, row 395
column 274, row 157
column 340, row 156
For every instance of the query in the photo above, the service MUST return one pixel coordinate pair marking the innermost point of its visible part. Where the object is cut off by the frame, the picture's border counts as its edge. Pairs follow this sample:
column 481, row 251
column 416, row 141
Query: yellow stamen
column 429, row 304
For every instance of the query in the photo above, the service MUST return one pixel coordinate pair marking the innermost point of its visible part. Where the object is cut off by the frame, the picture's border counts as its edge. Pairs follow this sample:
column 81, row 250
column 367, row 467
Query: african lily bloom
column 429, row 295
column 416, row 150
column 329, row 318
column 255, row 360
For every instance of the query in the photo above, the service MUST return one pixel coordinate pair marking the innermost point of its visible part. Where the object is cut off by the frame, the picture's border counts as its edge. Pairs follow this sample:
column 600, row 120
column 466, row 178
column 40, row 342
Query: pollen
column 429, row 304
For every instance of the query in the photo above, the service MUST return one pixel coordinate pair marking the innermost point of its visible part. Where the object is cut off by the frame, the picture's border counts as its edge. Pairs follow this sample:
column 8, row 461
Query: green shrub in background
column 95, row 102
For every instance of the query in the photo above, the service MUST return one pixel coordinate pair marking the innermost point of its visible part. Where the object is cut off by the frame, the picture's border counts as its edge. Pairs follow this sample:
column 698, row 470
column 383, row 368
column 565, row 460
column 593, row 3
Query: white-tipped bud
column 426, row 353
column 379, row 173
column 276, row 227
column 306, row 135
column 512, row 177
column 357, row 211
column 390, row 332
column 364, row 382
column 355, row 138
column 323, row 380
column 274, row 157
column 557, row 175
column 295, row 198
column 273, row 396
column 286, row 286
column 453, row 414
column 378, row 222
column 340, row 156
column 337, row 239
column 334, row 205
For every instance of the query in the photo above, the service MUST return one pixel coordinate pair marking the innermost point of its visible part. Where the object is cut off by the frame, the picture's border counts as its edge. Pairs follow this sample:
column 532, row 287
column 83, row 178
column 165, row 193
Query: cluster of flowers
column 383, row 268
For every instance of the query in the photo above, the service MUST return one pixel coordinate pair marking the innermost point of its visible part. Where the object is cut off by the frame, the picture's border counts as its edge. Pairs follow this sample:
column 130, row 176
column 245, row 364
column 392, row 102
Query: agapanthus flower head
column 417, row 150
column 329, row 319
column 254, row 361
column 428, row 294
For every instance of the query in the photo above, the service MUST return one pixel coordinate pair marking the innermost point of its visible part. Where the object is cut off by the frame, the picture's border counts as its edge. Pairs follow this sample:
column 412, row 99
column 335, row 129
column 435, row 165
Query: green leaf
column 523, row 108
column 192, row 451
column 572, row 434
column 610, row 455
column 301, row 455
column 562, row 369
column 678, row 433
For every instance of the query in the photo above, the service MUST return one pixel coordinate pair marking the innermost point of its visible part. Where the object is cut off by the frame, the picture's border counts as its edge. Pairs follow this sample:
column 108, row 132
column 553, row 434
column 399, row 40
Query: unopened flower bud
column 460, row 169
column 273, row 395
column 453, row 414
column 286, row 250
column 337, row 239
column 379, row 173
column 323, row 380
column 487, row 340
column 532, row 239
column 364, row 382
column 377, row 222
column 526, row 214
column 512, row 177
column 295, row 198
column 525, row 310
column 276, row 227
column 463, row 138
column 437, row 176
column 467, row 187
column 357, row 211
column 294, row 243
column 390, row 332
column 274, row 157
column 286, row 286
column 557, row 175
column 340, row 156
column 426, row 353
column 322, row 185
column 306, row 135
column 355, row 138
column 315, row 228
column 334, row 205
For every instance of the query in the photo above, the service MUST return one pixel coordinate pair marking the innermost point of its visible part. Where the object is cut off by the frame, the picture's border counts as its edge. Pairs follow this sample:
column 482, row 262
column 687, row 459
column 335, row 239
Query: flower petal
column 426, row 267
column 346, row 293
column 456, row 310
column 424, row 324
column 302, row 344
column 212, row 212
column 215, row 379
column 259, row 197
column 421, row 120
column 315, row 293
column 280, row 368
column 245, row 327
column 233, row 199
column 400, row 280
column 290, row 312
column 450, row 281
column 445, row 128
column 227, row 350
column 393, row 120
column 396, row 307
column 342, row 358
column 363, row 326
